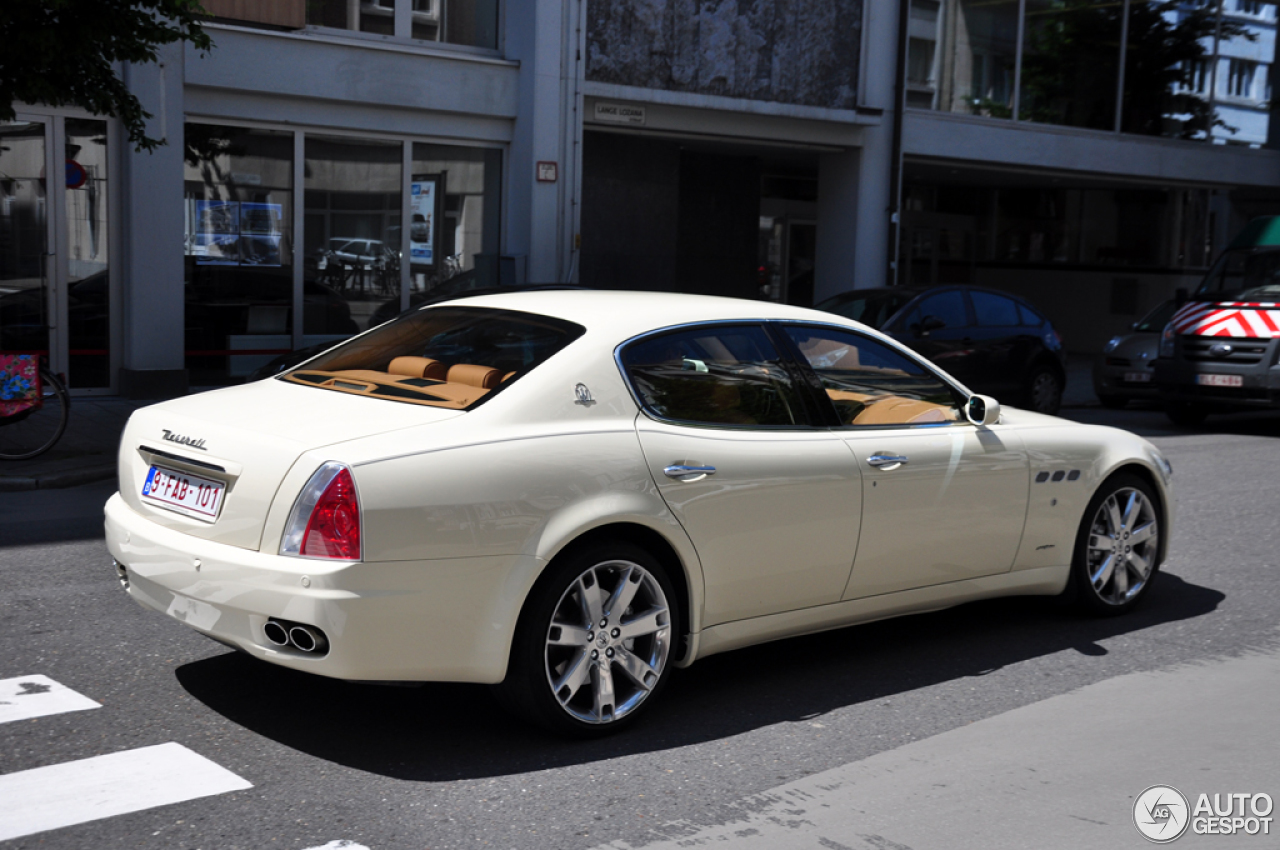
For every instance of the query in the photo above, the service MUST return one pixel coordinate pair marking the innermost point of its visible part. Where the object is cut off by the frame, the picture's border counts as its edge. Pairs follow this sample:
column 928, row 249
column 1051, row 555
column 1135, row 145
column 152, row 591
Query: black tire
column 1115, row 402
column 1185, row 413
column 33, row 432
column 1096, row 588
column 553, row 639
column 1043, row 390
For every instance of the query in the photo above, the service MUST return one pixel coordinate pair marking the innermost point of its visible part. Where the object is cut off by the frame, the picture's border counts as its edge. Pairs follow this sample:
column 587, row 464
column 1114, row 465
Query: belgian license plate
column 1220, row 380
column 1137, row 377
column 183, row 492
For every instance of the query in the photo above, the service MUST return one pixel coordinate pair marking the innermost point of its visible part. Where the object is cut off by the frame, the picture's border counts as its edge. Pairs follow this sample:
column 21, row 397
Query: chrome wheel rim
column 608, row 642
column 1044, row 391
column 1124, row 539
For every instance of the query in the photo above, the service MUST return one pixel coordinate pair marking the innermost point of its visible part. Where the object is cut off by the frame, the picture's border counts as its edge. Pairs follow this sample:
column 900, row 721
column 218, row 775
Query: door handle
column 681, row 472
column 886, row 461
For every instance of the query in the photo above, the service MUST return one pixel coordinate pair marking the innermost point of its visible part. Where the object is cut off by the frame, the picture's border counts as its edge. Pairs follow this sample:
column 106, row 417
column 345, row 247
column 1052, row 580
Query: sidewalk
column 86, row 452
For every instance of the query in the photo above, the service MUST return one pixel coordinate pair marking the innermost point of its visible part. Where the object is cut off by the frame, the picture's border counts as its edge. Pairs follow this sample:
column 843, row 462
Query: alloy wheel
column 1124, row 541
column 608, row 642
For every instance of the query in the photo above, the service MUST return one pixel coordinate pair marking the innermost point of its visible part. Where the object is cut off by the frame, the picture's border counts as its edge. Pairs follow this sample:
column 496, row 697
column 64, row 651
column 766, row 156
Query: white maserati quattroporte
column 567, row 494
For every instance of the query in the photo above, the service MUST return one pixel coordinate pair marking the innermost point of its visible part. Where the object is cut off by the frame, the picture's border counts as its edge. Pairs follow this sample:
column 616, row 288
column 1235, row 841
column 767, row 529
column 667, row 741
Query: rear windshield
column 452, row 357
column 1239, row 271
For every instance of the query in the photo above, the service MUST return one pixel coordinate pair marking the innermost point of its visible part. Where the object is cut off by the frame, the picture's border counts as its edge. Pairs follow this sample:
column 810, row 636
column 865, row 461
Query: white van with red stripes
column 1218, row 354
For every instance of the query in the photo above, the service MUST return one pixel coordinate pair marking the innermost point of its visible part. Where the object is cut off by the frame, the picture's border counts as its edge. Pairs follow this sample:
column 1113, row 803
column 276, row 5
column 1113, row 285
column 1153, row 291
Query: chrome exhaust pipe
column 276, row 633
column 308, row 639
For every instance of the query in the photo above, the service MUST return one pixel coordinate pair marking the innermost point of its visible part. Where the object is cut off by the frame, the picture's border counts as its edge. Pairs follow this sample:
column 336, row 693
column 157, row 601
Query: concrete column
column 534, row 215
column 152, row 305
column 854, row 187
column 835, row 261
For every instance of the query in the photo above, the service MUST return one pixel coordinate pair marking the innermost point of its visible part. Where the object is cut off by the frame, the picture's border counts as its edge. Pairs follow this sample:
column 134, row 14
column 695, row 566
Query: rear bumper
column 445, row 620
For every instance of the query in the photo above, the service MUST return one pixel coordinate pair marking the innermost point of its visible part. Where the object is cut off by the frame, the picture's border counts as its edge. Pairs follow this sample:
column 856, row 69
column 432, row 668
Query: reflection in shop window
column 351, row 233
column 453, row 230
column 238, row 280
column 468, row 22
column 962, row 57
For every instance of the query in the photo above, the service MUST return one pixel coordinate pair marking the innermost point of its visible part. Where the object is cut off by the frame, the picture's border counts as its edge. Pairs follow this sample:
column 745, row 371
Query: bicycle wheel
column 34, row 431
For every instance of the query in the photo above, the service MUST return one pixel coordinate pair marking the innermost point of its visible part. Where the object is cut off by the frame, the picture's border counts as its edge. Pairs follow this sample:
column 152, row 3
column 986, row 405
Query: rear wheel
column 1044, row 390
column 34, row 431
column 593, row 646
column 1186, row 414
column 1118, row 546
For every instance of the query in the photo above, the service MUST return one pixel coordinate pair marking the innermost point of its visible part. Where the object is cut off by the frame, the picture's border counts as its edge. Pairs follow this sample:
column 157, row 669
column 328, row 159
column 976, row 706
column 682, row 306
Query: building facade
column 328, row 162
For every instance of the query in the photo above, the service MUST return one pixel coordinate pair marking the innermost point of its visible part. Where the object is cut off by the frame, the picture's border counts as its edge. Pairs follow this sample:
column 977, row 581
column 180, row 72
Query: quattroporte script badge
column 183, row 441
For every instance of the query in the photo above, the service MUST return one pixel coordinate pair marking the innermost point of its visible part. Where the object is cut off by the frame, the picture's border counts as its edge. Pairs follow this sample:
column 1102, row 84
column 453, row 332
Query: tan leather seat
column 418, row 367
column 485, row 377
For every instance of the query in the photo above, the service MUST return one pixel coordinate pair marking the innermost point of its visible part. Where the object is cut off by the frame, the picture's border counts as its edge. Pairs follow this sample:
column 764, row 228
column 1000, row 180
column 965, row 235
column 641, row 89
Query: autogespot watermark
column 1162, row 814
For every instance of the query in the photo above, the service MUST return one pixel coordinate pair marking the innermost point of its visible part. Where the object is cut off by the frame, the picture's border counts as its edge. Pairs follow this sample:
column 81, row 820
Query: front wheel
column 1118, row 546
column 593, row 646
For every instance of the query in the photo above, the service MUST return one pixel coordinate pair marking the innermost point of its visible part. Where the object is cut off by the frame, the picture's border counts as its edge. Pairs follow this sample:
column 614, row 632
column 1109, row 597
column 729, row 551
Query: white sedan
column 567, row 494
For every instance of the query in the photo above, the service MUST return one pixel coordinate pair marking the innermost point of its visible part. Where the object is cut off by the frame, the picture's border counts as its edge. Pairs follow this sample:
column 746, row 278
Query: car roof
column 623, row 314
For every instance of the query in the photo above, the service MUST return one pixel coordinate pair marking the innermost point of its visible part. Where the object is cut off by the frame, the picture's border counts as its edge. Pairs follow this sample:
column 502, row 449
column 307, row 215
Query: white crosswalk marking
column 61, row 795
column 37, row 696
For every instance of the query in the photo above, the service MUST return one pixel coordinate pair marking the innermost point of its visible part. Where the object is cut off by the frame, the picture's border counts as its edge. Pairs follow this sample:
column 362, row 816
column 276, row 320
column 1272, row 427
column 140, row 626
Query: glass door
column 25, row 238
column 55, row 293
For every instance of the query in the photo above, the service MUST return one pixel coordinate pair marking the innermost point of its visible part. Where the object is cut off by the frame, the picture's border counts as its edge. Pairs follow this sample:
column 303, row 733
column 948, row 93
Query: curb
column 58, row 480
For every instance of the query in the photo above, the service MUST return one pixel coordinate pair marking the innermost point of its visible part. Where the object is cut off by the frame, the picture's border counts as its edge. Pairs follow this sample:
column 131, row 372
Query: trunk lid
column 247, row 438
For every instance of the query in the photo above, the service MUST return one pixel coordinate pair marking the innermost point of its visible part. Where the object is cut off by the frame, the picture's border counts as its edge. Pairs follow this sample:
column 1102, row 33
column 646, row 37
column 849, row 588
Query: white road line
column 340, row 844
column 36, row 696
column 61, row 795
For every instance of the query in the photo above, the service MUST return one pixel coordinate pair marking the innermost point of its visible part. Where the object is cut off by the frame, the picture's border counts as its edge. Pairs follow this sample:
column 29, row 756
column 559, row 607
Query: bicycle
column 33, row 414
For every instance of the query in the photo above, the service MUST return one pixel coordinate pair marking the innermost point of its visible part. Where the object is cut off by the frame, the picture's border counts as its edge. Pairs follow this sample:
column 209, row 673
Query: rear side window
column 721, row 375
column 1030, row 317
column 452, row 357
column 947, row 307
column 994, row 311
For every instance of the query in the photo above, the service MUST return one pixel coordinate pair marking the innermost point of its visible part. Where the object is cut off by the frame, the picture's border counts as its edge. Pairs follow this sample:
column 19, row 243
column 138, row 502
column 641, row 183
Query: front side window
column 452, row 357
column 869, row 383
column 723, row 376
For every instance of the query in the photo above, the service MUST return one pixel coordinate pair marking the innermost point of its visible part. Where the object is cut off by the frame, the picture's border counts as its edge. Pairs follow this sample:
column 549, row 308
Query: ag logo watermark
column 1162, row 814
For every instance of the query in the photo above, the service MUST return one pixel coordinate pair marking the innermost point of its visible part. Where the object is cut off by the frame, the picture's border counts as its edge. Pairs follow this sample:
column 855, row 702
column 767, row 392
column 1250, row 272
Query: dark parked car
column 996, row 343
column 1124, row 371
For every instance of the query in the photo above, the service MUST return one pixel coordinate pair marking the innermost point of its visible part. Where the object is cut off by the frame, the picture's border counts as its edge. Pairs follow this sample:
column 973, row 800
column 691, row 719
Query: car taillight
column 325, row 520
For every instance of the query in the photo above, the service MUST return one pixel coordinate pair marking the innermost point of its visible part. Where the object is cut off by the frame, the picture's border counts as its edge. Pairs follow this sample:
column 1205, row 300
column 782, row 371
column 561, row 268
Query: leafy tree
column 61, row 52
column 1070, row 69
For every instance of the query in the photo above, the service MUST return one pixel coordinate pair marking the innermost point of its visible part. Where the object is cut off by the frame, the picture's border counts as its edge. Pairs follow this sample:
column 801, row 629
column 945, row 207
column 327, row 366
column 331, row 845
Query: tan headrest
column 418, row 367
column 475, row 376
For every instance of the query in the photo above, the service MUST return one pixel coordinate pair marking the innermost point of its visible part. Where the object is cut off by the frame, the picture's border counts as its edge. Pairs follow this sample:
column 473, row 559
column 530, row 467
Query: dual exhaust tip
column 304, row 638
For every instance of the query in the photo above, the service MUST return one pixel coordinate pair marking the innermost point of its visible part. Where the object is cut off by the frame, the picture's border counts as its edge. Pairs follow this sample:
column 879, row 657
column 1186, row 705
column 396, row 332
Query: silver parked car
column 1123, row 372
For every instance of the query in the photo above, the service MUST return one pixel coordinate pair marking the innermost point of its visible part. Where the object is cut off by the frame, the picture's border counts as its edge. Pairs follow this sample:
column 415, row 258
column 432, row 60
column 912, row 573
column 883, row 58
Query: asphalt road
column 441, row 766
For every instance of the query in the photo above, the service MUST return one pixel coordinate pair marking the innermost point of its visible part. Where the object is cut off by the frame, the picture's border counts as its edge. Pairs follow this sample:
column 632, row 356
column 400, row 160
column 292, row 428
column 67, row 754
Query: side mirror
column 982, row 410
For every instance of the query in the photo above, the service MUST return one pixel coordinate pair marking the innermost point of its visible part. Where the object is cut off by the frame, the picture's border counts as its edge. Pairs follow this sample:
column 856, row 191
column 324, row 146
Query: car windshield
column 452, row 357
column 1241, row 270
column 873, row 309
column 1155, row 321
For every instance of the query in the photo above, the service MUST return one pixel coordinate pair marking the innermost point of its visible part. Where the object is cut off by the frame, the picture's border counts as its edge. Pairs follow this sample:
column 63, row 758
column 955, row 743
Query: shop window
column 238, row 192
column 468, row 22
column 351, row 236
column 453, row 228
